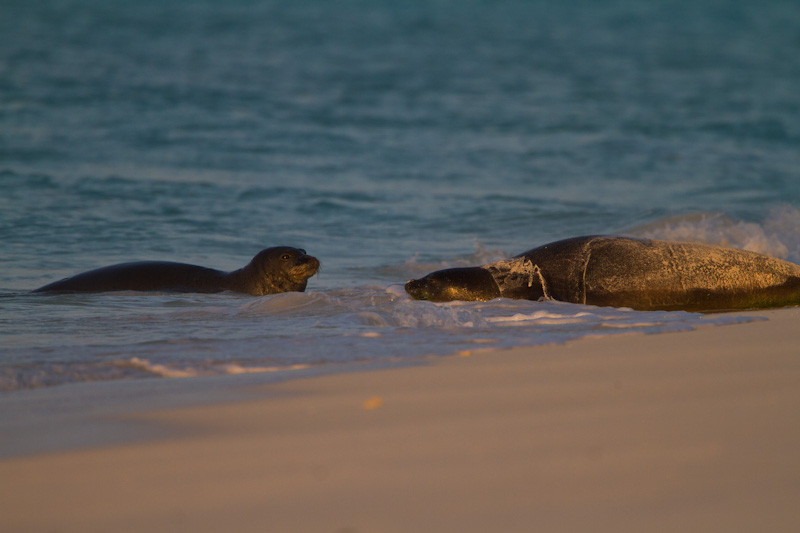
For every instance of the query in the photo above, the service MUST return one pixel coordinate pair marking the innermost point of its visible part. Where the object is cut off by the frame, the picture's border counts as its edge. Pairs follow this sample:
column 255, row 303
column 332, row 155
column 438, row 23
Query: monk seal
column 274, row 270
column 642, row 274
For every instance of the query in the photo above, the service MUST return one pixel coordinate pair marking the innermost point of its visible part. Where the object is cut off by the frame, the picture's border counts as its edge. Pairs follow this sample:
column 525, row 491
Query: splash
column 481, row 255
column 777, row 236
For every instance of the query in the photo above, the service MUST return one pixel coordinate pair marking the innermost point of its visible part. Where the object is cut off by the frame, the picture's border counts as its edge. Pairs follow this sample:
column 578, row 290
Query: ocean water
column 388, row 139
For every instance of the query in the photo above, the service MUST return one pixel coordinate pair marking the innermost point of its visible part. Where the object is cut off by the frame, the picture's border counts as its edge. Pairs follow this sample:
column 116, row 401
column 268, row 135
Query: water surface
column 388, row 139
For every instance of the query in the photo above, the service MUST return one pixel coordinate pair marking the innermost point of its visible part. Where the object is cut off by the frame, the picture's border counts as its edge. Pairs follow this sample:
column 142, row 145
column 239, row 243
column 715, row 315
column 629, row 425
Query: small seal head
column 275, row 270
column 474, row 283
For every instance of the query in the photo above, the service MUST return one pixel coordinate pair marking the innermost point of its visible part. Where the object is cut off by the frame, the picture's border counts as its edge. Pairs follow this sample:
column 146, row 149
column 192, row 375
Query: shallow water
column 386, row 139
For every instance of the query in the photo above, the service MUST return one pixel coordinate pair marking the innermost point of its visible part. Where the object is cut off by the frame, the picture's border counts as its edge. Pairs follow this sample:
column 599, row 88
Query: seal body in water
column 624, row 272
column 274, row 270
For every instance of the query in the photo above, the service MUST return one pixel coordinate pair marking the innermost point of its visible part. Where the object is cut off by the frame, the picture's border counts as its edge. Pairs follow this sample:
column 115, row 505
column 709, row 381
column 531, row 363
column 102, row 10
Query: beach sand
column 690, row 431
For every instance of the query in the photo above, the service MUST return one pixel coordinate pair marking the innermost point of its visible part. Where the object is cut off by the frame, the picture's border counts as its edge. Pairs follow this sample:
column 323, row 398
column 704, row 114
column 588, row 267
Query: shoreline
column 694, row 431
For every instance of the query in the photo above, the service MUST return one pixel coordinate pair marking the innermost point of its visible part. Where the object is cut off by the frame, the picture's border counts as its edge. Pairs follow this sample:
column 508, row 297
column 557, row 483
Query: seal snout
column 418, row 289
column 305, row 266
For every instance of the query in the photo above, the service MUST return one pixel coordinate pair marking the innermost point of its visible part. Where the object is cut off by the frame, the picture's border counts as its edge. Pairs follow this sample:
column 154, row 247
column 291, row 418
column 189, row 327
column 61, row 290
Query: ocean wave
column 778, row 235
column 280, row 334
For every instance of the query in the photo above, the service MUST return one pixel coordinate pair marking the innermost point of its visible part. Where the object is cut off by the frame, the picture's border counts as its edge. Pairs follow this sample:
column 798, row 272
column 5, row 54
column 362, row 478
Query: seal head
column 474, row 283
column 274, row 270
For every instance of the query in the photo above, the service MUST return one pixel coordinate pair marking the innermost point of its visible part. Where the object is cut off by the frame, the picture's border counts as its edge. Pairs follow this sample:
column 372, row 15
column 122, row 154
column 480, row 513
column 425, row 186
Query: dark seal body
column 623, row 272
column 274, row 270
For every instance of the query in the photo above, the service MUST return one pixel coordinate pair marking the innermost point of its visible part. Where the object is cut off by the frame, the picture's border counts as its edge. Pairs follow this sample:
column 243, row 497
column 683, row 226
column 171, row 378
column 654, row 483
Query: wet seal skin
column 642, row 274
column 271, row 271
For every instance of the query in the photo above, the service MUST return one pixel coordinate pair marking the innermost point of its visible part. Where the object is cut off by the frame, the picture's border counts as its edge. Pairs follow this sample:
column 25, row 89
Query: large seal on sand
column 274, row 270
column 623, row 272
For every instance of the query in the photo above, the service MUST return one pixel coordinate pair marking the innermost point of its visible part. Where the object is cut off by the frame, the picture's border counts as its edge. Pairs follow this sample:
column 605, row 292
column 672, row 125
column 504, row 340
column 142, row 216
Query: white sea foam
column 542, row 317
column 239, row 369
column 158, row 369
column 778, row 235
column 171, row 371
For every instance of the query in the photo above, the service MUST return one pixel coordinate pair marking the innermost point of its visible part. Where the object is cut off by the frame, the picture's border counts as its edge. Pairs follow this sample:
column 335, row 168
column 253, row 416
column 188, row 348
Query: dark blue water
column 386, row 138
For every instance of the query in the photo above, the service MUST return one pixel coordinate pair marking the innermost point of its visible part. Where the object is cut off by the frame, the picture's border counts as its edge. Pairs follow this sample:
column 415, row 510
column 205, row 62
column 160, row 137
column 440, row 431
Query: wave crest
column 778, row 235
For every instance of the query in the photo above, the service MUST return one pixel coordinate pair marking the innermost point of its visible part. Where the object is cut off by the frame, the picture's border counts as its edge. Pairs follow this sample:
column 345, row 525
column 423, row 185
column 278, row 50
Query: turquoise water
column 388, row 139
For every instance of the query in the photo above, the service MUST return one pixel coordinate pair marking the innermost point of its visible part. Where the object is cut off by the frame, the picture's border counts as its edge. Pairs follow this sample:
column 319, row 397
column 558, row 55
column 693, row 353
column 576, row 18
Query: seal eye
column 286, row 257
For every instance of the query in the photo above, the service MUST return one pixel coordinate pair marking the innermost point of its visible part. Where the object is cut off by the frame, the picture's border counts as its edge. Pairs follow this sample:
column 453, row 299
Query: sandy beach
column 691, row 431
